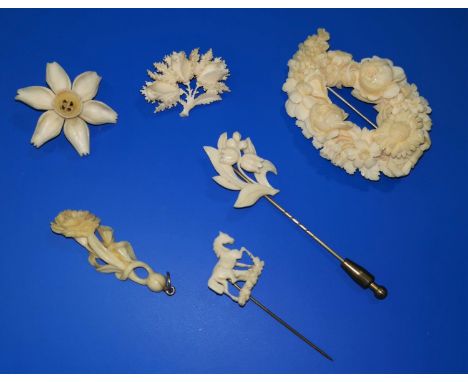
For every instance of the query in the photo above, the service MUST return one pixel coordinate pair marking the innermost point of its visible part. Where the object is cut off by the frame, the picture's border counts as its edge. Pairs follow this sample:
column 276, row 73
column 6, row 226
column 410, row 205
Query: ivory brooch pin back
column 106, row 255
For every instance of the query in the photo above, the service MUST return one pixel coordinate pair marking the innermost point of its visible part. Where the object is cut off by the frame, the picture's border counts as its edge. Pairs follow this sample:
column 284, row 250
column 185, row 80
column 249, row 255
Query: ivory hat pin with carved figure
column 107, row 255
column 233, row 159
column 229, row 270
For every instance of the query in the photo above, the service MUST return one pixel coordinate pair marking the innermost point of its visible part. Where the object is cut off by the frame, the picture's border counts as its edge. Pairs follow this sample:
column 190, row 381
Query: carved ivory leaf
column 403, row 122
column 228, row 269
column 231, row 159
column 106, row 255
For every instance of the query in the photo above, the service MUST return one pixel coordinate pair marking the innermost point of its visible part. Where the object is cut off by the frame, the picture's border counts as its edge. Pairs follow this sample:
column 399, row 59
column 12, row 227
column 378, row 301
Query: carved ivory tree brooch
column 106, row 255
column 178, row 69
column 67, row 105
column 401, row 133
column 232, row 158
column 230, row 271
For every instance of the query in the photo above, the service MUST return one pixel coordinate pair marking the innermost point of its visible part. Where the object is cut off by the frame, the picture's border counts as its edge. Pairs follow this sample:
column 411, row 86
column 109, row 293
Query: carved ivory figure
column 226, row 270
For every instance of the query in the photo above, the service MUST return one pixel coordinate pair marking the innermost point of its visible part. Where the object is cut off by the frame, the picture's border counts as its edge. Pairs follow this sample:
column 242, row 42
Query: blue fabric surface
column 148, row 177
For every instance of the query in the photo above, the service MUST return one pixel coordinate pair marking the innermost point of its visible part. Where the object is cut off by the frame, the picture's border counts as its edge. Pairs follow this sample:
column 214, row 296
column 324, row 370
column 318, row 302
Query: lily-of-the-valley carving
column 237, row 153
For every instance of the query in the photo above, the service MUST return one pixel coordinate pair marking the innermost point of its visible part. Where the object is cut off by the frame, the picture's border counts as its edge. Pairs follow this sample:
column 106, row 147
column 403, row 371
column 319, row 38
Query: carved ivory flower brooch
column 401, row 134
column 106, row 255
column 233, row 157
column 230, row 271
column 176, row 69
column 67, row 105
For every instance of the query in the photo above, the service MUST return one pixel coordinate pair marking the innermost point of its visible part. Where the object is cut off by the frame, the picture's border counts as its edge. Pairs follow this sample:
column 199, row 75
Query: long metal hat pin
column 233, row 158
column 229, row 270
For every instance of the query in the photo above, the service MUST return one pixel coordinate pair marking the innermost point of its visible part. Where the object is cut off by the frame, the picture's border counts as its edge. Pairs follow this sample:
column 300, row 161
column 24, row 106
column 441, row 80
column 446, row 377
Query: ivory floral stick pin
column 106, row 255
column 233, row 158
column 68, row 105
column 229, row 270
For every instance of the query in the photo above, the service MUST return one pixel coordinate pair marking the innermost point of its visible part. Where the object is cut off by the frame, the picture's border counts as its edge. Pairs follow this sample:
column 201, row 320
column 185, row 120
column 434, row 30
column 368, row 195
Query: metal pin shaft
column 352, row 107
column 294, row 220
column 360, row 275
column 286, row 325
column 304, row 228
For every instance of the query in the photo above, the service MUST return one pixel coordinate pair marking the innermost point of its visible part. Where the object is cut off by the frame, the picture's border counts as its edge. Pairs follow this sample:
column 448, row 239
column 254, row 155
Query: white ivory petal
column 301, row 112
column 38, row 97
column 392, row 91
column 295, row 97
column 97, row 113
column 291, row 108
column 57, row 78
column 48, row 126
column 86, row 85
column 77, row 132
column 398, row 73
column 289, row 85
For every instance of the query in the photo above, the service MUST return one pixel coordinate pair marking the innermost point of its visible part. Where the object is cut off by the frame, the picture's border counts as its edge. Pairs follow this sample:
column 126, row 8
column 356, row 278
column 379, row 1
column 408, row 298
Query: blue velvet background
column 148, row 177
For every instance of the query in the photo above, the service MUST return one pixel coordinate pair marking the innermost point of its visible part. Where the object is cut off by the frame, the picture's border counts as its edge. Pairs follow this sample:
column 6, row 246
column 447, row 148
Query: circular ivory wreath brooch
column 403, row 123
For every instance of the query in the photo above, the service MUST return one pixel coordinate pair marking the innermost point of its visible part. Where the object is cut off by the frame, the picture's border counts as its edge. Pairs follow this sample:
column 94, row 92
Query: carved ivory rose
column 75, row 223
column 377, row 78
column 403, row 121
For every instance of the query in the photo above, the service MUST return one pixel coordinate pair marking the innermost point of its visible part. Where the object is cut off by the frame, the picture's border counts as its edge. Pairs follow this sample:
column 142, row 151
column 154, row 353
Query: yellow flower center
column 67, row 104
